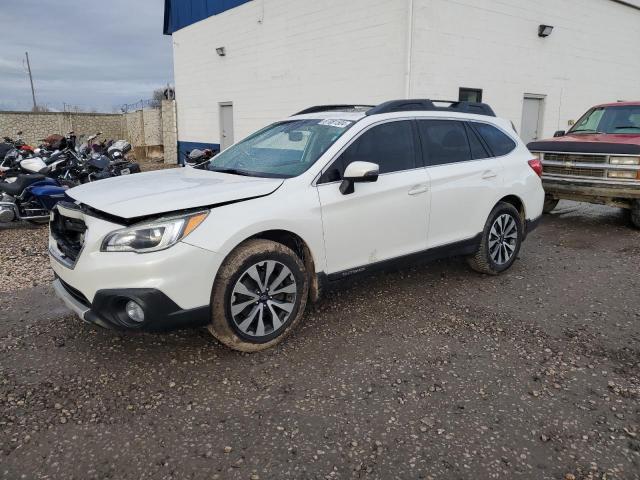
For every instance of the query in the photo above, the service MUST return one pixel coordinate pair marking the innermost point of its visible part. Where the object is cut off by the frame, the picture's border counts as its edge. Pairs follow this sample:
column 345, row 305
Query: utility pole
column 33, row 92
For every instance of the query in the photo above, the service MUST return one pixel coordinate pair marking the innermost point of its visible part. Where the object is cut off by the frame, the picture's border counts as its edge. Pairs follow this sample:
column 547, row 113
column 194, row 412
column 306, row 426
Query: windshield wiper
column 626, row 127
column 586, row 130
column 233, row 171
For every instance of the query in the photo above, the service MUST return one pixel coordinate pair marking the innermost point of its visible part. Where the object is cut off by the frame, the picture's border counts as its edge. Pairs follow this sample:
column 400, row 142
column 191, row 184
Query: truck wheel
column 550, row 204
column 635, row 213
column 501, row 241
column 259, row 296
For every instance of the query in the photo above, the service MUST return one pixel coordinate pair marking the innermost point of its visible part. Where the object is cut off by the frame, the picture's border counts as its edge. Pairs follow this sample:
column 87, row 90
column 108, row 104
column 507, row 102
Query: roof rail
column 333, row 108
column 430, row 106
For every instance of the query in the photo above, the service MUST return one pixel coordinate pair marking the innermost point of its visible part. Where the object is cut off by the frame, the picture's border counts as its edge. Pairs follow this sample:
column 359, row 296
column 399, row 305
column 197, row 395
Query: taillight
column 536, row 165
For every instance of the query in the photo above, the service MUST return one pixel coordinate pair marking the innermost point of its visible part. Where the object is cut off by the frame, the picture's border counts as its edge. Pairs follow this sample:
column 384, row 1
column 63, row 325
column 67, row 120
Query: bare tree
column 156, row 98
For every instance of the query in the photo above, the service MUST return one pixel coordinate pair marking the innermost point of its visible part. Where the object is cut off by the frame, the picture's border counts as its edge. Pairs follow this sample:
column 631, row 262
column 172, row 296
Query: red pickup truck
column 597, row 161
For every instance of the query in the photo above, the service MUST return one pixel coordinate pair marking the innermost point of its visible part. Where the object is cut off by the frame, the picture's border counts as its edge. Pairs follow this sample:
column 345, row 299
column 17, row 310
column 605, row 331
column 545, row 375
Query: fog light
column 134, row 311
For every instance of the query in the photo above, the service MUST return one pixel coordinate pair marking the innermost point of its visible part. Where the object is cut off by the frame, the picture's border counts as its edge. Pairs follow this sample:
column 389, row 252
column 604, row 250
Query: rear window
column 499, row 143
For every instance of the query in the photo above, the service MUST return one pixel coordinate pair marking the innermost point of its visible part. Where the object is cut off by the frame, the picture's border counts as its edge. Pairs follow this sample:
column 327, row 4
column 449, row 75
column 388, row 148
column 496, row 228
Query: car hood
column 153, row 193
column 590, row 143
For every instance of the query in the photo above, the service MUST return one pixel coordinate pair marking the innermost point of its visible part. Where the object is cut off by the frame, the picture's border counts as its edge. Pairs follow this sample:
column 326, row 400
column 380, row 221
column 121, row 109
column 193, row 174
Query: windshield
column 621, row 120
column 282, row 150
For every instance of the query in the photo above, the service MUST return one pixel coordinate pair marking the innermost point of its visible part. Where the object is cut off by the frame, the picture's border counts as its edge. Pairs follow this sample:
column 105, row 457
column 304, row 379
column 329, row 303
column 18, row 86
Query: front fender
column 228, row 226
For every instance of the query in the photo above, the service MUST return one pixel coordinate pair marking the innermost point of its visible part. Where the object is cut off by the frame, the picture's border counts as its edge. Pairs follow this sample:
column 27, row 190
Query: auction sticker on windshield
column 331, row 122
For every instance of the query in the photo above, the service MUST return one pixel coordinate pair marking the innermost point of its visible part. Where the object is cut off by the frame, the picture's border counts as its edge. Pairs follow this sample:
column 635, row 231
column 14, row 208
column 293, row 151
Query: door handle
column 489, row 174
column 418, row 189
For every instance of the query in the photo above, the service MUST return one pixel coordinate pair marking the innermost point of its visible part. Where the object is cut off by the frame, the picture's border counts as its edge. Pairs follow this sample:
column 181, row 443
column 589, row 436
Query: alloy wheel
column 263, row 298
column 503, row 239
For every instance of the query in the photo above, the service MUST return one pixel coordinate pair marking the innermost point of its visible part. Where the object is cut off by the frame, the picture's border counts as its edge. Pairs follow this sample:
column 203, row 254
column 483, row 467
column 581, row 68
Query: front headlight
column 152, row 236
column 624, row 160
column 537, row 155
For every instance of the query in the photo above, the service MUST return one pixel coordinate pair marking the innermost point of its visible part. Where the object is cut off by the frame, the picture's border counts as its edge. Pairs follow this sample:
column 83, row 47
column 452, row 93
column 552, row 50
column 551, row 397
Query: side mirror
column 560, row 133
column 358, row 172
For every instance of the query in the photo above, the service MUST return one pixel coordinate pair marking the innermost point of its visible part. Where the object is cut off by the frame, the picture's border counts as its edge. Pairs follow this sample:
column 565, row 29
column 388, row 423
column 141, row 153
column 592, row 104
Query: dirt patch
column 149, row 165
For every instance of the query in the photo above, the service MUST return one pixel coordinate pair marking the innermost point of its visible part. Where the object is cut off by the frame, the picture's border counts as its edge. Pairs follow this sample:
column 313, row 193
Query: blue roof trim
column 182, row 13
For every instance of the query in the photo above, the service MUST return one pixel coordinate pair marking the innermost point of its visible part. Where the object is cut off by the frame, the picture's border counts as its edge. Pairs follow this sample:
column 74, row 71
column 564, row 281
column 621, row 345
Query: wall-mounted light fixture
column 544, row 31
column 221, row 51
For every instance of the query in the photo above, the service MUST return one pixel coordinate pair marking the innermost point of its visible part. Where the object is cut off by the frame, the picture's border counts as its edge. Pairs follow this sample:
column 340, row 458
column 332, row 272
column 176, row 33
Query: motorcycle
column 107, row 159
column 25, row 159
column 12, row 152
column 30, row 198
column 196, row 158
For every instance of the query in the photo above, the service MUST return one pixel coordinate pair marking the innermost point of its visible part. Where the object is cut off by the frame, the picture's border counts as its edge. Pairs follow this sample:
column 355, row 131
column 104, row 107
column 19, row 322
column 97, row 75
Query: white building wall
column 591, row 57
column 285, row 55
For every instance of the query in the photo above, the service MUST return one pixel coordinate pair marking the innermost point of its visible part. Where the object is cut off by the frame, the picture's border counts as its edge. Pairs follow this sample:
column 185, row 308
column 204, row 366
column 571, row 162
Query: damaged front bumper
column 608, row 192
column 108, row 309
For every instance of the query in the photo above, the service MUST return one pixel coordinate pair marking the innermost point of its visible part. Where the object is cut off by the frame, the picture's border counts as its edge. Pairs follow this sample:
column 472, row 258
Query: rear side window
column 390, row 145
column 478, row 151
column 444, row 141
column 499, row 143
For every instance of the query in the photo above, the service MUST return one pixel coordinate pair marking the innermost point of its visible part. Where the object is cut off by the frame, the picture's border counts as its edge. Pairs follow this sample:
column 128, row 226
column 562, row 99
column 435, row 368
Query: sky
column 94, row 54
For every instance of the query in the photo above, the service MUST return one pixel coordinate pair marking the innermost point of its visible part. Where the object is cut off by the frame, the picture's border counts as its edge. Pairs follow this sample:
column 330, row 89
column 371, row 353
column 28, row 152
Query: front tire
column 635, row 214
column 259, row 296
column 501, row 241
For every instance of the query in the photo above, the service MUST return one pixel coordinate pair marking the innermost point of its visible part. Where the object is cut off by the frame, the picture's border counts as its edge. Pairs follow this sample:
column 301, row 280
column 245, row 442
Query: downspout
column 409, row 50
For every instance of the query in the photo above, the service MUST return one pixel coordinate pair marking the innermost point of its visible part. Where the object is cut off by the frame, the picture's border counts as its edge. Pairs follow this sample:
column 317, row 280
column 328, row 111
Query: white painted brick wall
column 591, row 57
column 284, row 55
column 303, row 53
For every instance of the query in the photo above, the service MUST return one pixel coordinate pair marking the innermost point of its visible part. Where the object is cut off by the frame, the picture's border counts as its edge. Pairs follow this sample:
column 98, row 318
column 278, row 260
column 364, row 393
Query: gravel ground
column 432, row 372
column 23, row 257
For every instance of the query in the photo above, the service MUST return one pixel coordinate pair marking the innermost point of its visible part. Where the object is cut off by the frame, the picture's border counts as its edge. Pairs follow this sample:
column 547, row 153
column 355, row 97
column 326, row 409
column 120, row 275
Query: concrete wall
column 134, row 126
column 36, row 126
column 169, row 131
column 143, row 128
column 283, row 55
column 152, row 119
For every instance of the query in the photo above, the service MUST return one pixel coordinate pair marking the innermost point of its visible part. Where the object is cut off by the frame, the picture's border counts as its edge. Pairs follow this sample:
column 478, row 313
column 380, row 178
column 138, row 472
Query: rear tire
column 501, row 240
column 550, row 204
column 635, row 214
column 259, row 296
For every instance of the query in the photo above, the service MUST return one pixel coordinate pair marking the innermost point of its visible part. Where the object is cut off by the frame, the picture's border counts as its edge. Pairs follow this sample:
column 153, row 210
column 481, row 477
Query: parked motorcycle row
column 33, row 180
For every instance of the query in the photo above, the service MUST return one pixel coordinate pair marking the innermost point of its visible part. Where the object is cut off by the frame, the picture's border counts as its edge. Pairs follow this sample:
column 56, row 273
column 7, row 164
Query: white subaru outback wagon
column 241, row 244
